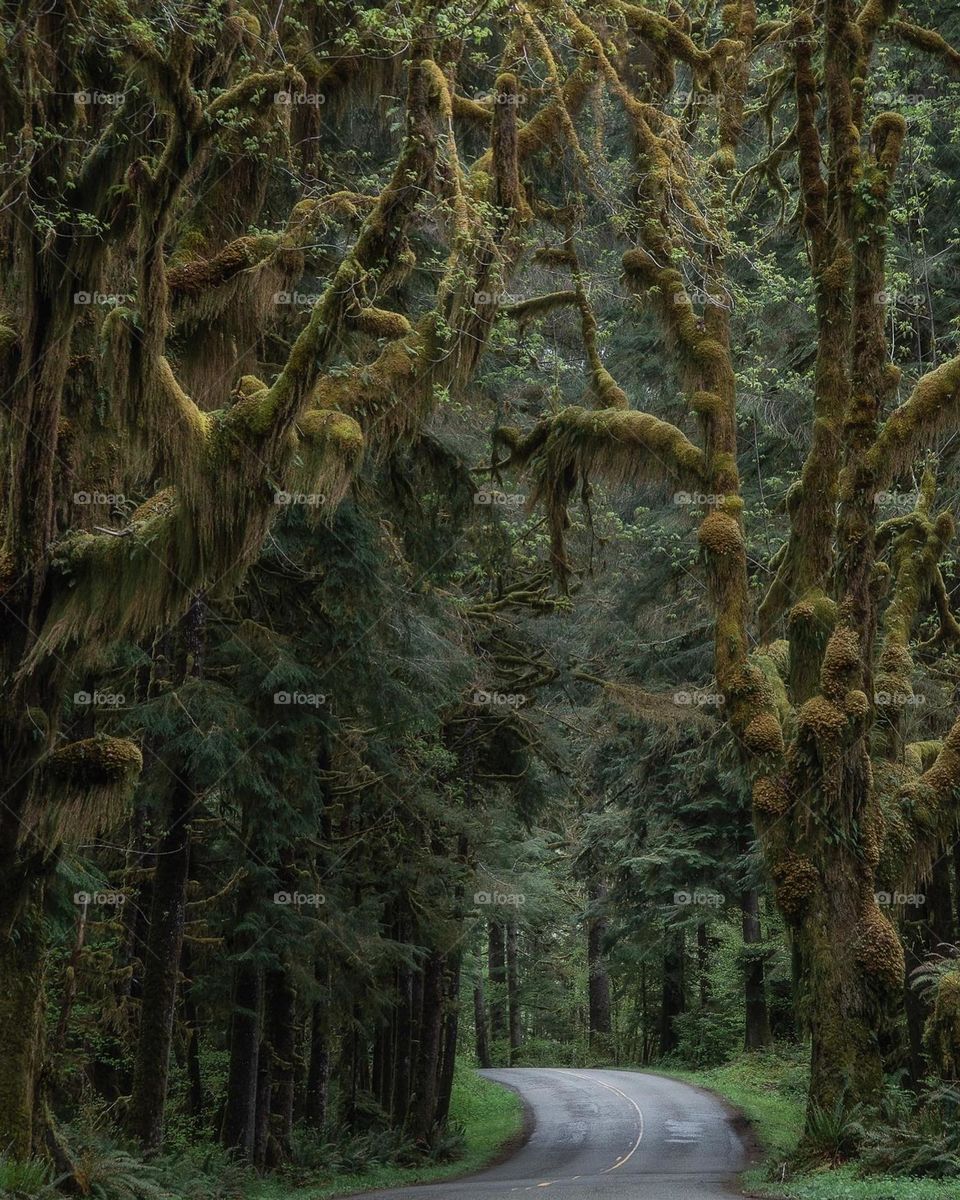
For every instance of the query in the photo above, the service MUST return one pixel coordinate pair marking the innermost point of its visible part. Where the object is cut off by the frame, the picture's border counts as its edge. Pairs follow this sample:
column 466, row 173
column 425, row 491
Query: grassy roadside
column 769, row 1089
column 491, row 1116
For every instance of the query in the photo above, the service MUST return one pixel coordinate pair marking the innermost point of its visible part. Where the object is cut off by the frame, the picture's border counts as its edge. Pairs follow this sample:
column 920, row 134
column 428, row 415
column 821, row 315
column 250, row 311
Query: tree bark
column 162, row 974
column 673, row 996
column 239, row 1116
column 600, row 1025
column 451, row 1029
column 513, row 991
column 497, row 971
column 423, row 1107
column 480, row 1023
column 318, row 1072
column 757, row 1034
column 21, row 1030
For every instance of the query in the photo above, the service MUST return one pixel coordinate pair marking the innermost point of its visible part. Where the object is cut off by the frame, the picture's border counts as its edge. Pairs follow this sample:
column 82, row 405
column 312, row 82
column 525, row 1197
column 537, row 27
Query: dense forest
column 479, row 579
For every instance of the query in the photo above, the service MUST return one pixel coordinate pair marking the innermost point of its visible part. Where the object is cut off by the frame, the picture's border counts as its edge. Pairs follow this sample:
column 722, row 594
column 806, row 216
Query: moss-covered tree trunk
column 158, row 1004
column 423, row 1106
column 22, row 959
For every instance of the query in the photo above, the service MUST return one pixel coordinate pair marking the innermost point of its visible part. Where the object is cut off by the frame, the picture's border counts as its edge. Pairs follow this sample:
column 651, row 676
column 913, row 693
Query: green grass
column 491, row 1116
column 770, row 1090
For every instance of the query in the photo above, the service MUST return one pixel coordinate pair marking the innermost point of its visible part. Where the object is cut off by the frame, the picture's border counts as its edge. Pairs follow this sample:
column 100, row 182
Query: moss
column 841, row 661
column 96, row 760
column 763, row 735
column 156, row 505
column 382, row 323
column 795, row 881
column 770, row 796
column 720, row 533
column 941, row 1035
column 856, row 704
column 878, row 950
column 821, row 719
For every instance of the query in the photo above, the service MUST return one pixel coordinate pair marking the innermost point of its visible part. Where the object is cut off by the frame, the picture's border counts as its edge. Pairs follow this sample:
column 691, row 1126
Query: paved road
column 613, row 1135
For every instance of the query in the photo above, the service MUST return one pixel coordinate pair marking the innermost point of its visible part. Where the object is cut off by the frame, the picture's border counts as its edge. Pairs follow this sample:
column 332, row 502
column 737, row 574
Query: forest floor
column 770, row 1090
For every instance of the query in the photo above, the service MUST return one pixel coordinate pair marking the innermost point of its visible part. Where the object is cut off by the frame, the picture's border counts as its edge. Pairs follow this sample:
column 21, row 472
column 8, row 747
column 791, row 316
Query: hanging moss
column 86, row 786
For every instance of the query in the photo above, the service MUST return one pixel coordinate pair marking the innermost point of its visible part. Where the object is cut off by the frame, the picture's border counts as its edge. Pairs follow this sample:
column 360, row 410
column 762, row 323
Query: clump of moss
column 157, row 505
column 841, row 659
column 86, row 787
column 821, row 719
column 719, row 533
column 877, row 948
column 763, row 735
column 96, row 760
column 770, row 796
column 856, row 704
column 795, row 881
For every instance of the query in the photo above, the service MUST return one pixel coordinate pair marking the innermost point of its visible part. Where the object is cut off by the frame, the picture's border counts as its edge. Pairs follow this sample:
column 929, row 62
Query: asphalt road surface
column 614, row 1135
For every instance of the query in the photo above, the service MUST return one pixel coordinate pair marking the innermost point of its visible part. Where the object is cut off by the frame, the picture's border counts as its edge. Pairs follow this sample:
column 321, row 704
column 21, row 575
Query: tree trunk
column 513, row 991
column 318, row 1072
column 22, row 961
column 280, row 1024
column 600, row 1025
column 497, row 970
column 451, row 1029
column 480, row 1023
column 161, row 975
column 194, row 1075
column 757, row 1033
column 424, row 1104
column 239, row 1115
column 673, row 996
column 404, row 1038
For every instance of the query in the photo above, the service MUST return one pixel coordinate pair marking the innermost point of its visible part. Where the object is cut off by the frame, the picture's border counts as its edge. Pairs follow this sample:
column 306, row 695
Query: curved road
column 615, row 1135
